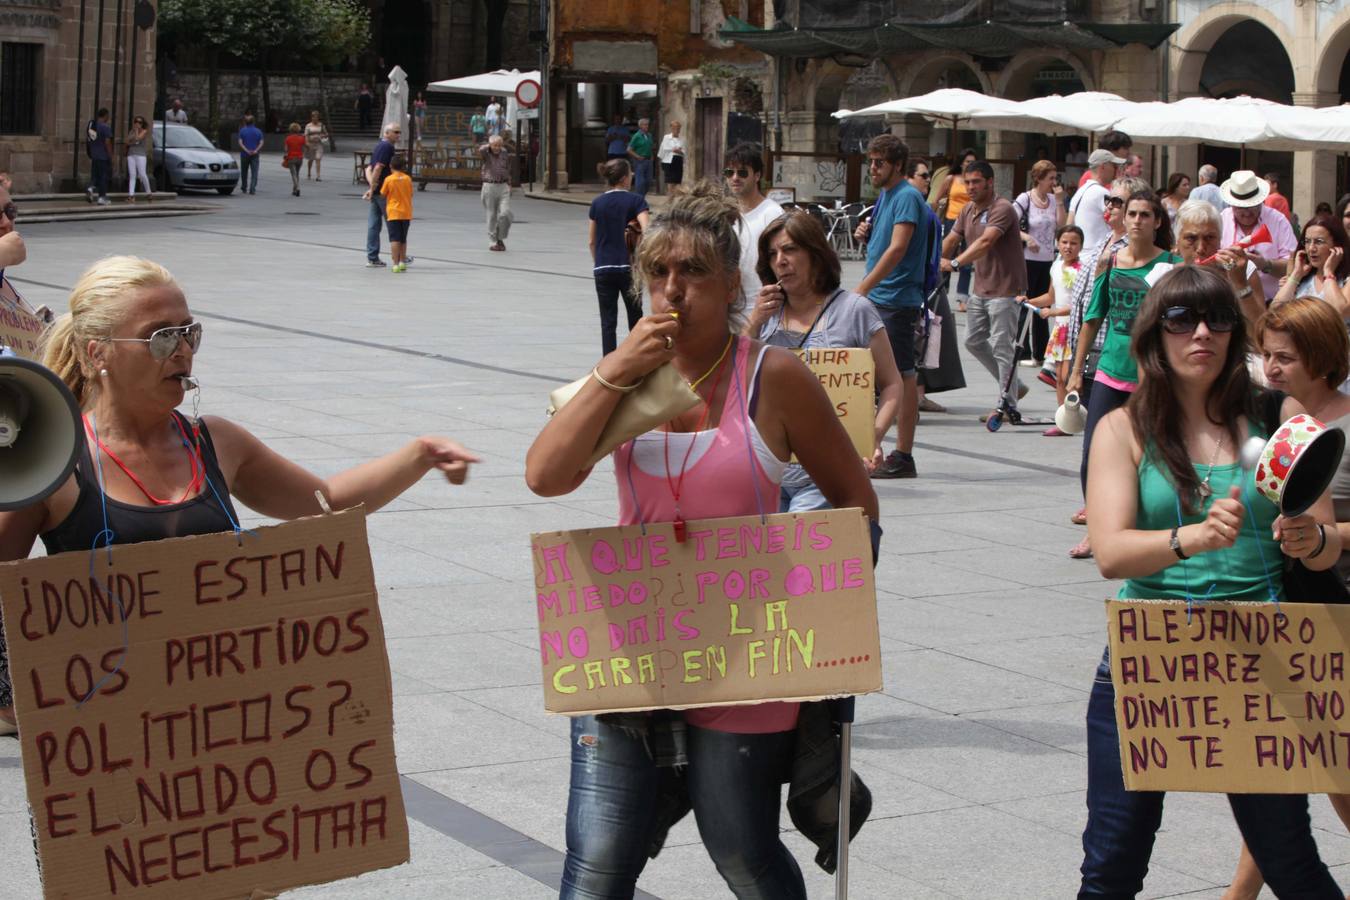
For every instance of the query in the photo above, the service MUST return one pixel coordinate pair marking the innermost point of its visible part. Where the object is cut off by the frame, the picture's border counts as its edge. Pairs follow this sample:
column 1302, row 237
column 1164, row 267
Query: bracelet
column 1321, row 541
column 1245, row 293
column 595, row 373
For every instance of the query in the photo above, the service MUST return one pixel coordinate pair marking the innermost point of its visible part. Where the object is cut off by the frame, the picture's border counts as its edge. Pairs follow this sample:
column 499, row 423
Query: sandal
column 926, row 405
column 1081, row 550
column 1080, row 517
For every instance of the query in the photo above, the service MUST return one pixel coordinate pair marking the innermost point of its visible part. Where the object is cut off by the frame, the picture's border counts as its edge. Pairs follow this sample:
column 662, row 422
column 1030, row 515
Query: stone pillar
column 1315, row 170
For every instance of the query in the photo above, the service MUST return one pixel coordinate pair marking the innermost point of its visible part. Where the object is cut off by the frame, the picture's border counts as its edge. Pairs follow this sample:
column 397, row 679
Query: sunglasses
column 877, row 163
column 10, row 211
column 735, row 173
column 1115, row 202
column 163, row 342
column 1185, row 319
column 924, row 175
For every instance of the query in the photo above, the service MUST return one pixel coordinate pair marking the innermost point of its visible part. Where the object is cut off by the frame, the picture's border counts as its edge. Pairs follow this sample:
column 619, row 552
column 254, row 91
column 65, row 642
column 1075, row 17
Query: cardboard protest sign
column 1232, row 698
column 743, row 611
column 242, row 742
column 19, row 328
column 848, row 375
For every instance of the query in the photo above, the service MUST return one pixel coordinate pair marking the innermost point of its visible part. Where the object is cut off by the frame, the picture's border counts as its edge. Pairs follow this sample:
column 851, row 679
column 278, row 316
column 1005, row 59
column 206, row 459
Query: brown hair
column 891, row 148
column 1318, row 334
column 1338, row 237
column 1041, row 169
column 808, row 234
column 1154, row 412
column 615, row 171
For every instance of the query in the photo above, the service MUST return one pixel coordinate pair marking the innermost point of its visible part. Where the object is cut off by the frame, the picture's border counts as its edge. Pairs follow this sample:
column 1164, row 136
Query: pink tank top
column 715, row 486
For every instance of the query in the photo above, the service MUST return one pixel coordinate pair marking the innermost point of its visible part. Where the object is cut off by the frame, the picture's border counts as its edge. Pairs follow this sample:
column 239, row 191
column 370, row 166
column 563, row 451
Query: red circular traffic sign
column 528, row 93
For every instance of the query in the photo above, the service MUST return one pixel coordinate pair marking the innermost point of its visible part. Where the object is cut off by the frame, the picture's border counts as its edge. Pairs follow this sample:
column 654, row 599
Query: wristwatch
column 1175, row 544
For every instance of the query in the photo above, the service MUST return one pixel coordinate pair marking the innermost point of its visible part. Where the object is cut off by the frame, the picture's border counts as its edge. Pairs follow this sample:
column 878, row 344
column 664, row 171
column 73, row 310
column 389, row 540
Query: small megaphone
column 41, row 432
column 1071, row 417
column 1259, row 236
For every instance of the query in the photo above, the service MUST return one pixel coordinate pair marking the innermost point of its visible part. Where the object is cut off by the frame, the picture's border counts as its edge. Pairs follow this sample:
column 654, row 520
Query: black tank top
column 134, row 524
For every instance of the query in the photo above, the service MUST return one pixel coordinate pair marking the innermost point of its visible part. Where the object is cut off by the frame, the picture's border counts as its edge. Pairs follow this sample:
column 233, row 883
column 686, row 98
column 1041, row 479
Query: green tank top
column 1236, row 573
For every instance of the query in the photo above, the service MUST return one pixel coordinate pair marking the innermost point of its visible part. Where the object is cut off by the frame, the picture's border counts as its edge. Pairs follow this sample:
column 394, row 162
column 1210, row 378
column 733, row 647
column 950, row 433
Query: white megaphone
column 41, row 432
column 1071, row 417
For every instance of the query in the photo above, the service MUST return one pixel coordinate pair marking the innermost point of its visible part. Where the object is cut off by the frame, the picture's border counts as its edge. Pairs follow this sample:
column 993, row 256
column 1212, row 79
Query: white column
column 1314, row 171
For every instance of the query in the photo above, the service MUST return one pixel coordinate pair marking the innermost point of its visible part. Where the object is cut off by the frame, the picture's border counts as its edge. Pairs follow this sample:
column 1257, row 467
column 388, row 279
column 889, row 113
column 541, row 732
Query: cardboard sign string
column 1256, row 535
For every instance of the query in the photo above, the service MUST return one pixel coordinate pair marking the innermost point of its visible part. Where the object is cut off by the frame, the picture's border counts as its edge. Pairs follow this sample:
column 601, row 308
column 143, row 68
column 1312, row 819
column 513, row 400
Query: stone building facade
column 51, row 83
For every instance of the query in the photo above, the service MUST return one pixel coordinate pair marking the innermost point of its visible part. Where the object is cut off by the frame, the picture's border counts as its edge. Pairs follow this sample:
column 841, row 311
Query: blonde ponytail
column 708, row 218
column 98, row 303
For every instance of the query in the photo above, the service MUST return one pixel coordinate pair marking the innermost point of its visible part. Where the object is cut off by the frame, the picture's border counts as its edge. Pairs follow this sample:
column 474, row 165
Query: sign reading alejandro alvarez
column 206, row 716
column 745, row 610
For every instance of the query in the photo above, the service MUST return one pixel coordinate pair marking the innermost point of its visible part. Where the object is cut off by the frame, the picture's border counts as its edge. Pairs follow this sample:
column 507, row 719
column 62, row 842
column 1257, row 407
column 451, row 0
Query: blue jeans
column 735, row 785
column 642, row 176
column 798, row 493
column 613, row 286
column 248, row 164
column 1102, row 400
column 1121, row 824
column 374, row 221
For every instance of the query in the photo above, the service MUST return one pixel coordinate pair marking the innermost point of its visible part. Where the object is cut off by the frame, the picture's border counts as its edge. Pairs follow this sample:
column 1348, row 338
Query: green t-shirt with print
column 1117, row 295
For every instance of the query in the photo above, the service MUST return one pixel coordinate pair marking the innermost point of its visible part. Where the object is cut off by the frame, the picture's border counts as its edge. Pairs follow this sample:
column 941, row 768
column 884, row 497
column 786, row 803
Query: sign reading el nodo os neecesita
column 1231, row 697
column 745, row 610
column 242, row 742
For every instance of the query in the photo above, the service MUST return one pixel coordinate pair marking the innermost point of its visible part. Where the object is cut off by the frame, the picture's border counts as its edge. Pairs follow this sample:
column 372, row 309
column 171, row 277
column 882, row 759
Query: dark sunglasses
column 10, row 210
column 738, row 173
column 923, row 175
column 164, row 341
column 1115, row 202
column 1185, row 319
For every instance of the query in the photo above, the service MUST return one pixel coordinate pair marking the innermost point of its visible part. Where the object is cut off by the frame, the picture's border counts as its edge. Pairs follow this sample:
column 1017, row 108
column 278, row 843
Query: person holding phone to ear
column 1321, row 268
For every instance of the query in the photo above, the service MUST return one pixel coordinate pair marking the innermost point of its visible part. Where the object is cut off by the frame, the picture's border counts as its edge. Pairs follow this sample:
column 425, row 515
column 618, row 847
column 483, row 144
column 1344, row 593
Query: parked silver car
column 192, row 160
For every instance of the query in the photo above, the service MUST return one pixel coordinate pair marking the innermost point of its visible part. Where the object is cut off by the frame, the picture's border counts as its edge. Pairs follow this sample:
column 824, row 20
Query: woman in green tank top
column 1166, row 512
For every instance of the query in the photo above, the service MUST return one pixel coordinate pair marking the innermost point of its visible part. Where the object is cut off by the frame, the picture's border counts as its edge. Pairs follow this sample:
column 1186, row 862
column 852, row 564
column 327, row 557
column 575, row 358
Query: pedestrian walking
column 951, row 200
column 316, row 141
column 295, row 155
column 615, row 215
column 616, row 139
column 495, row 119
column 380, row 159
column 948, row 374
column 364, row 105
column 760, row 407
column 1119, row 144
column 496, row 190
column 398, row 211
column 640, row 151
column 1087, row 210
column 671, row 155
column 478, row 126
column 140, row 143
column 988, row 225
column 897, row 239
column 420, row 115
column 743, row 170
column 250, row 147
column 1053, row 306
column 1169, row 532
column 1040, row 213
column 99, row 148
column 1208, row 188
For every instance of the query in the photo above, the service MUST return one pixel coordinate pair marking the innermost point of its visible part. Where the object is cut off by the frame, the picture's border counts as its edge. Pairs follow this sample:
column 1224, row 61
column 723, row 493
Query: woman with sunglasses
column 1322, row 267
column 724, row 457
column 1122, row 279
column 126, row 350
column 1174, row 514
column 140, row 143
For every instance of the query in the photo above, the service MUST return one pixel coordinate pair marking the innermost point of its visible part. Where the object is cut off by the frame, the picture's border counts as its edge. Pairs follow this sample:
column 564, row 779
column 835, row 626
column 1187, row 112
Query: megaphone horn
column 41, row 432
column 1260, row 236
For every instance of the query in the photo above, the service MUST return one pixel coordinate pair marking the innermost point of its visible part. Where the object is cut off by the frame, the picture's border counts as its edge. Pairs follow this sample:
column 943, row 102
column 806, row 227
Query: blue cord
column 1251, row 518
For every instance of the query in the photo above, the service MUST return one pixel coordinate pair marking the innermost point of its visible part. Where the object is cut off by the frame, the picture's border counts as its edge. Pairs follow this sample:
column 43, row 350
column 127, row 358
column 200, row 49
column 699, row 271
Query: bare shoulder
column 1117, row 427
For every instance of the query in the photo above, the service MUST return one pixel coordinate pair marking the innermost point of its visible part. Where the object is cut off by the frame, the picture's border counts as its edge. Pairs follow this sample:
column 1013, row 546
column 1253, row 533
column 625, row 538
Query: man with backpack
column 98, row 146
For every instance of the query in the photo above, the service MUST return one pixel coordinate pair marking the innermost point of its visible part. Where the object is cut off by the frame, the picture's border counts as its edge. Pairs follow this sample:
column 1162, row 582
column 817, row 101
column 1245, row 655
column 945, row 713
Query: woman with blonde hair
column 724, row 457
column 126, row 350
column 316, row 137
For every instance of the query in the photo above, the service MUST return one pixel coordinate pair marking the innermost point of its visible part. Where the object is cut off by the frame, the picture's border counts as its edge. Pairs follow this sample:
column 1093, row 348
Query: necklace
column 676, row 485
column 1204, row 490
column 195, row 480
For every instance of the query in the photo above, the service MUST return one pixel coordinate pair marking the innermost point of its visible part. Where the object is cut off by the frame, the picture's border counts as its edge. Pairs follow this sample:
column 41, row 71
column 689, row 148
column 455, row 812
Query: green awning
column 992, row 39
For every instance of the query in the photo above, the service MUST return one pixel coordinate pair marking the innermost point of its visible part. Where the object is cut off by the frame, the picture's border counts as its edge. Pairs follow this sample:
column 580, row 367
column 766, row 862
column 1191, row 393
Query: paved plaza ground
column 990, row 633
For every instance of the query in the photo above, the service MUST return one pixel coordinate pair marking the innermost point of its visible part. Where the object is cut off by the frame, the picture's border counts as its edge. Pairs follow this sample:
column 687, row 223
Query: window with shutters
column 20, row 68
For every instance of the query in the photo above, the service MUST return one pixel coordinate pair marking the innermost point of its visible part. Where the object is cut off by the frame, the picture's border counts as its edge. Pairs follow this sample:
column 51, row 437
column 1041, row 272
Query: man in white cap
column 1088, row 208
column 1245, row 194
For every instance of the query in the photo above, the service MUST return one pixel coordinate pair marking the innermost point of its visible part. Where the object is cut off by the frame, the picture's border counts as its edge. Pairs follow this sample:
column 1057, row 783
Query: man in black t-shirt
column 380, row 159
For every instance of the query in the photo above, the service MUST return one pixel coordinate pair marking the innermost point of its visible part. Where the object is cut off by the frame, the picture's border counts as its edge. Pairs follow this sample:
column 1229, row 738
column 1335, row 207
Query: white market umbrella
column 1306, row 128
column 1199, row 120
column 955, row 108
column 499, row 83
column 396, row 105
column 1085, row 111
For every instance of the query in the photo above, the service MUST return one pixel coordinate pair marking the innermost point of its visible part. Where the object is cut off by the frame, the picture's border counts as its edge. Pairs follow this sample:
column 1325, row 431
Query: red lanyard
column 677, row 485
column 194, row 482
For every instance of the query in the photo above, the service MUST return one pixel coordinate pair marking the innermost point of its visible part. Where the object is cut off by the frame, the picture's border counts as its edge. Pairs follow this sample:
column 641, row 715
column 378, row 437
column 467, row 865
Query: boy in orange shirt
column 398, row 193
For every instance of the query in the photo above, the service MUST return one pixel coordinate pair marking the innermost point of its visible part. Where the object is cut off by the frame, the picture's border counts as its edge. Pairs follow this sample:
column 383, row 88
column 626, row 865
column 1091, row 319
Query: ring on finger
column 669, row 342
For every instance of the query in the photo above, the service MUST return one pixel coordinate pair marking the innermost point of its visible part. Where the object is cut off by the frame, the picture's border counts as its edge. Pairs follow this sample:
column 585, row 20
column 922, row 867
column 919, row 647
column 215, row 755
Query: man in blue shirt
column 896, row 237
column 616, row 139
column 250, row 145
column 99, row 146
column 380, row 159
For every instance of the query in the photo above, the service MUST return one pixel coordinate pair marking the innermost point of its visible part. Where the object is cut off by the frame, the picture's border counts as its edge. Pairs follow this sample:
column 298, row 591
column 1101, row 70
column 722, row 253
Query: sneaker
column 399, row 267
column 896, row 466
column 407, row 261
column 375, row 264
column 1046, row 377
column 104, row 201
column 89, row 194
column 1053, row 431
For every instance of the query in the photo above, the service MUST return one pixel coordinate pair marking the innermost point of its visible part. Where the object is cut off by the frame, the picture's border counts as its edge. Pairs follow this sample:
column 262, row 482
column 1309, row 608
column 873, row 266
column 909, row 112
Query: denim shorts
column 901, row 322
